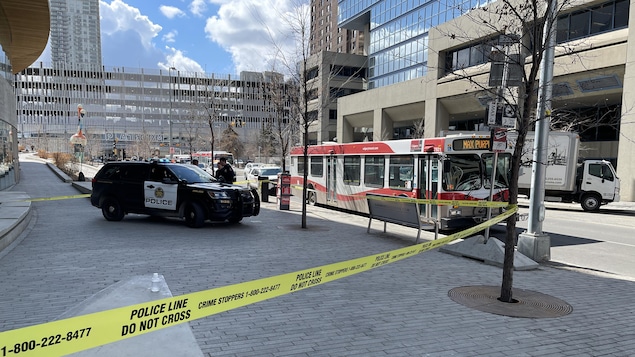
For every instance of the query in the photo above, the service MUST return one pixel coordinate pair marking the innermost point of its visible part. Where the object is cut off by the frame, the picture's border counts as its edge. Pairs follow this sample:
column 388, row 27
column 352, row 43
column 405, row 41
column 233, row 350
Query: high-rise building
column 398, row 33
column 76, row 33
column 326, row 36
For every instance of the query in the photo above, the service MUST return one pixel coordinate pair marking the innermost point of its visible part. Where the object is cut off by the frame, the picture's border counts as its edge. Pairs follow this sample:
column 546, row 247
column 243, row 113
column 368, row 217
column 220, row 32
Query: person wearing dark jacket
column 225, row 172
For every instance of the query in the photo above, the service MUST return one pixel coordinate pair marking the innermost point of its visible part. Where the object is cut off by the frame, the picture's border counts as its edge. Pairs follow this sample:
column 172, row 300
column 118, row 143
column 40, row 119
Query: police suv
column 170, row 190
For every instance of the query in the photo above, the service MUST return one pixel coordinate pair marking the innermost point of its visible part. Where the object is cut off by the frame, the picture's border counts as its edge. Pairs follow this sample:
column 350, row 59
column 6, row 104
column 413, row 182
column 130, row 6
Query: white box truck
column 588, row 182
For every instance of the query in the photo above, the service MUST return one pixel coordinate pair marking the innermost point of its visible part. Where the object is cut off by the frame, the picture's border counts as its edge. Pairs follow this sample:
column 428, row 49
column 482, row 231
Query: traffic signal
column 114, row 147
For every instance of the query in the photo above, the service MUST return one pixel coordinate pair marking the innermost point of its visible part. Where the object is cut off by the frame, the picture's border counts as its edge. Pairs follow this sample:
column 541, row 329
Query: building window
column 469, row 56
column 602, row 18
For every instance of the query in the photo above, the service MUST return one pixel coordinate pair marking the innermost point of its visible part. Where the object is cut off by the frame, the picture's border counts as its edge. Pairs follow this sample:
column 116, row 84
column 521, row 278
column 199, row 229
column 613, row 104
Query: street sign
column 499, row 139
column 492, row 111
column 509, row 116
column 501, row 115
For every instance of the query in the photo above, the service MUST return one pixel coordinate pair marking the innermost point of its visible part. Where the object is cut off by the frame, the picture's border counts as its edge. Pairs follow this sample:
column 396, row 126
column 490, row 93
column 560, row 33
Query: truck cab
column 598, row 184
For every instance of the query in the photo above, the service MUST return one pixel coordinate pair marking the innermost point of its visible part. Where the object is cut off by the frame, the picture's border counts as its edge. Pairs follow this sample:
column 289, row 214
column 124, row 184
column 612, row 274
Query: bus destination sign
column 472, row 144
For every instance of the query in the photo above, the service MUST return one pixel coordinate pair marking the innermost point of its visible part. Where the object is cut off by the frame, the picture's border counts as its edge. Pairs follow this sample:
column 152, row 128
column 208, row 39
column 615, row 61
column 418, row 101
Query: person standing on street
column 225, row 172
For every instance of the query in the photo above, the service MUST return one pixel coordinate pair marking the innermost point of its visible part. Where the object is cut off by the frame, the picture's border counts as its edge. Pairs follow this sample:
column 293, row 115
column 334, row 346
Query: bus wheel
column 311, row 198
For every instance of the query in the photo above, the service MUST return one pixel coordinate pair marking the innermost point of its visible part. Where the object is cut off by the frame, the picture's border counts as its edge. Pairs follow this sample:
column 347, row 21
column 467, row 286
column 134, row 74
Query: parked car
column 248, row 167
column 170, row 190
column 268, row 173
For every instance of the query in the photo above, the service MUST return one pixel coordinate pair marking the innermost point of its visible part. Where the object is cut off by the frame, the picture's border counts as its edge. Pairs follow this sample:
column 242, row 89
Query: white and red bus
column 456, row 167
column 205, row 157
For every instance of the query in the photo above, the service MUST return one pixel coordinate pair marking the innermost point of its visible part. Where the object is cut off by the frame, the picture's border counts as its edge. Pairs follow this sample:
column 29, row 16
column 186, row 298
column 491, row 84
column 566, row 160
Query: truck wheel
column 590, row 202
column 111, row 209
column 194, row 215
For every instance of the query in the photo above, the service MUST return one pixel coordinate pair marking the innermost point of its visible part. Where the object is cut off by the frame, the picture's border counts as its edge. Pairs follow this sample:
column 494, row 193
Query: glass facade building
column 398, row 33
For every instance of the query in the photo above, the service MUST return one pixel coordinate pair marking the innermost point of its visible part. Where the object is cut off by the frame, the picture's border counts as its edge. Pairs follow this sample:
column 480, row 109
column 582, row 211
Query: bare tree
column 230, row 141
column 216, row 95
column 529, row 22
column 277, row 132
column 418, row 128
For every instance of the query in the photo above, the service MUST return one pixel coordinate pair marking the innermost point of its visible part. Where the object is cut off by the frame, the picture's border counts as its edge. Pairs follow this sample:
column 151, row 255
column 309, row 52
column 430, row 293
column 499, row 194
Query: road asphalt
column 419, row 306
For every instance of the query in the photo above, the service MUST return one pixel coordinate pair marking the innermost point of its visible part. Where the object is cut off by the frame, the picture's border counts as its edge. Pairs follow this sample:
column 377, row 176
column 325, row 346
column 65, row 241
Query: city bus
column 456, row 167
column 205, row 157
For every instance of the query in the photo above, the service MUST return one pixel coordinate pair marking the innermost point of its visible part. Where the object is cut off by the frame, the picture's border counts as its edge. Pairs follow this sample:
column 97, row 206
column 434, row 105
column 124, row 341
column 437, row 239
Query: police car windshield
column 191, row 173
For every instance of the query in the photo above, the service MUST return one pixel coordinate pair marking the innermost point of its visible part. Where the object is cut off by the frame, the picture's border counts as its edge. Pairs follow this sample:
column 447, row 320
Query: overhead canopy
column 24, row 30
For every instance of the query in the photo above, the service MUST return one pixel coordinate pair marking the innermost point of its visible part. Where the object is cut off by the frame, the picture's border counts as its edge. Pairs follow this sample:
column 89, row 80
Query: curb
column 61, row 174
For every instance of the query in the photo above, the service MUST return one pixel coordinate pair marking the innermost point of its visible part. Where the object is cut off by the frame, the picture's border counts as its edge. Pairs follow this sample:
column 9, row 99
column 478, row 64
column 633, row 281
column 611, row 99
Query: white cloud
column 121, row 17
column 127, row 40
column 170, row 37
column 249, row 27
column 198, row 7
column 171, row 12
column 178, row 60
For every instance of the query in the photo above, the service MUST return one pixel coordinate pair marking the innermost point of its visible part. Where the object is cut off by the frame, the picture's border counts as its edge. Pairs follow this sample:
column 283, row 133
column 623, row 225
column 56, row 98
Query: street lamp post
column 170, row 121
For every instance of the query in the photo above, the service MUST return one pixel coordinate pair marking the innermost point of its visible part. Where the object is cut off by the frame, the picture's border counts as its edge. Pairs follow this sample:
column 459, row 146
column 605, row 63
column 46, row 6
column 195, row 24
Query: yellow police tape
column 83, row 332
column 55, row 198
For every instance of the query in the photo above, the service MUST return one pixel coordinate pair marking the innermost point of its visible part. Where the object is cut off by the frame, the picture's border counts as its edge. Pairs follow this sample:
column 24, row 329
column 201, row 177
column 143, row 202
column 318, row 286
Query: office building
column 145, row 111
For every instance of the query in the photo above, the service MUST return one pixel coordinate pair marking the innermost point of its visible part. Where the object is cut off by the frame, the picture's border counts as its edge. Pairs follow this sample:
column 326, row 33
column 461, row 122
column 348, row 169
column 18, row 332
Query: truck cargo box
column 562, row 159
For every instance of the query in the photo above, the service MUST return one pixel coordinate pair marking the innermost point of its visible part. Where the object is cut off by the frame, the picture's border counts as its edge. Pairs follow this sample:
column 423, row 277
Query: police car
column 170, row 190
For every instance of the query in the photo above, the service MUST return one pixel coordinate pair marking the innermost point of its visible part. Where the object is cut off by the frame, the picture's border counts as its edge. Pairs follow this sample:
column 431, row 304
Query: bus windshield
column 462, row 172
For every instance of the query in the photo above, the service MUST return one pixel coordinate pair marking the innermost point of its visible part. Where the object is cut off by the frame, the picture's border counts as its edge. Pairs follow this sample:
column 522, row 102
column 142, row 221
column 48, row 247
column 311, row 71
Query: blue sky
column 213, row 36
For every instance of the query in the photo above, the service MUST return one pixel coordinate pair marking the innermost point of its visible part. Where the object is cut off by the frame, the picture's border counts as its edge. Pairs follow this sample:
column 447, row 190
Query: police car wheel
column 111, row 209
column 256, row 211
column 194, row 215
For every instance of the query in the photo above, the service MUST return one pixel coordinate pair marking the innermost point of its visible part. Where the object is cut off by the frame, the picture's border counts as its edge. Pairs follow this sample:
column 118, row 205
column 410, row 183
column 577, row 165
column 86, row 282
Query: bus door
column 429, row 183
column 331, row 179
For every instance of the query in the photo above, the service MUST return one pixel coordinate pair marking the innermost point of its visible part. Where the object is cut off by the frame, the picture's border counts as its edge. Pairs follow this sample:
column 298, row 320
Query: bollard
column 155, row 283
column 264, row 189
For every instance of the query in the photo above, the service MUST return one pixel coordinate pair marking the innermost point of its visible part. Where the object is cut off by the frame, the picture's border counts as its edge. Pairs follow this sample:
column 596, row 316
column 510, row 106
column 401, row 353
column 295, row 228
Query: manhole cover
column 529, row 303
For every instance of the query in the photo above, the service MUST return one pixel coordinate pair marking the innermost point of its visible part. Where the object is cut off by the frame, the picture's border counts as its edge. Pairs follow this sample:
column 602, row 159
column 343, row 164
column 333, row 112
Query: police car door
column 161, row 189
